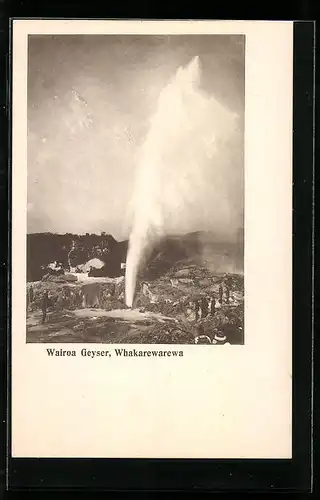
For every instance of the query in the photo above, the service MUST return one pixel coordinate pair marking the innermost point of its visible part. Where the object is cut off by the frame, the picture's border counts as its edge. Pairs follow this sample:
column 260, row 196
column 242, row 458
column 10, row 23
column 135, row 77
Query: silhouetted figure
column 213, row 306
column 220, row 337
column 204, row 307
column 196, row 309
column 44, row 305
column 227, row 294
column 221, row 294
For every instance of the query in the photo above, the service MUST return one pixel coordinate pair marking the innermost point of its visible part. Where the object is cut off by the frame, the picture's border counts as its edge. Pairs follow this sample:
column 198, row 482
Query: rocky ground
column 163, row 312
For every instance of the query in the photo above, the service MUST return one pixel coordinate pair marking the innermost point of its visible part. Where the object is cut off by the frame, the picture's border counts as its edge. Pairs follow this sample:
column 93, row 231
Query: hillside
column 74, row 250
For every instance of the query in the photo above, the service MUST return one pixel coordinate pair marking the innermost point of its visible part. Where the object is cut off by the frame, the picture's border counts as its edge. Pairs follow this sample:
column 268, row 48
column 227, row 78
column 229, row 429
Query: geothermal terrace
column 94, row 310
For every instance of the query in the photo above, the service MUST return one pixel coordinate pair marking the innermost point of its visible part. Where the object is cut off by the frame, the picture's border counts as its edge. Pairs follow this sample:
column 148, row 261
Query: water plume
column 181, row 166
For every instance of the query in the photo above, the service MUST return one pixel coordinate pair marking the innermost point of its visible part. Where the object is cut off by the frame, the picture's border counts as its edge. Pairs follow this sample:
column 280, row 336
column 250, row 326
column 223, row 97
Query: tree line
column 72, row 250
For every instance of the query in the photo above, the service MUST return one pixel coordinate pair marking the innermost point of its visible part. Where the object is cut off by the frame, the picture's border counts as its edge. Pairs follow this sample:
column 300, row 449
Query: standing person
column 204, row 307
column 227, row 294
column 220, row 293
column 190, row 311
column 196, row 309
column 213, row 306
column 44, row 305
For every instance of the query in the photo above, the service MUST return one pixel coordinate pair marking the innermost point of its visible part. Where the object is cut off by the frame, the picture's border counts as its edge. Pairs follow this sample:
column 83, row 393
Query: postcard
column 151, row 239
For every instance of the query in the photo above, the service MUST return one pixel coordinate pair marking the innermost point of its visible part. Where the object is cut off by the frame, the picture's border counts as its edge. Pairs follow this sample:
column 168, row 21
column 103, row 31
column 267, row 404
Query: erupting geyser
column 183, row 146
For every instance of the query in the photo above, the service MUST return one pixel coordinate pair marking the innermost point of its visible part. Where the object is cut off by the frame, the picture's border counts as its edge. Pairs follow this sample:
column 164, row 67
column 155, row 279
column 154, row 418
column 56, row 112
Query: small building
column 92, row 264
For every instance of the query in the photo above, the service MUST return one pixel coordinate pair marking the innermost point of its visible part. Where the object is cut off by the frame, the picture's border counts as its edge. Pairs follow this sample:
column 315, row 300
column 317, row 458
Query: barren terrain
column 164, row 311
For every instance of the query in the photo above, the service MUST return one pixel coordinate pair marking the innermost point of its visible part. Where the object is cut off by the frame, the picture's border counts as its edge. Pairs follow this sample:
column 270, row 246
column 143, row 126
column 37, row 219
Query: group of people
column 207, row 305
column 228, row 329
column 204, row 307
column 72, row 298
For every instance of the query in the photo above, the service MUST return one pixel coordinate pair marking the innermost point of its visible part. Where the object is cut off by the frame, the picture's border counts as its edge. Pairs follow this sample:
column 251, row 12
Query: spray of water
column 188, row 134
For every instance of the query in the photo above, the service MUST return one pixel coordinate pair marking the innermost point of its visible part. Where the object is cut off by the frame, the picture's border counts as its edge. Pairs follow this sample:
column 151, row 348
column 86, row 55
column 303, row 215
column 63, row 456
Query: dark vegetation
column 74, row 249
column 44, row 248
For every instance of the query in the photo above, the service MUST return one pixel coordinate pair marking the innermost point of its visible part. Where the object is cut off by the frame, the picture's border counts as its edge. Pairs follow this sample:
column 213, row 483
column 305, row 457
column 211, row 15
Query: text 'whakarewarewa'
column 117, row 352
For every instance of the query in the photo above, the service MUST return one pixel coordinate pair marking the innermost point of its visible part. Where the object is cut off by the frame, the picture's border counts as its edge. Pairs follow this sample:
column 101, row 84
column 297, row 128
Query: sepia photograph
column 152, row 239
column 135, row 189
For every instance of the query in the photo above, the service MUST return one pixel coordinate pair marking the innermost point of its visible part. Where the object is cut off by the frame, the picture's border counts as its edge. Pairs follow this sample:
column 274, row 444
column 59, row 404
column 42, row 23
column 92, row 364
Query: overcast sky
column 89, row 102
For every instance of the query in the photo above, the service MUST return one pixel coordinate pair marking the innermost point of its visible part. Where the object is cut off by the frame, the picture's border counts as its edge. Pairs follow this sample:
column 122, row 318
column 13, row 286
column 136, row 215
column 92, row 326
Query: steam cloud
column 187, row 154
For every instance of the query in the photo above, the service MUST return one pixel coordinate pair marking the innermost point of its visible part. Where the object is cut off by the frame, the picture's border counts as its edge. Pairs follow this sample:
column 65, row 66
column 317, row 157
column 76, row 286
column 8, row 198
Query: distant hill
column 199, row 248
column 72, row 250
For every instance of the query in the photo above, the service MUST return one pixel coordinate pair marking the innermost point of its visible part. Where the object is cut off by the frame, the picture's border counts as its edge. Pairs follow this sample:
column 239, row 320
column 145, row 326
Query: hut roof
column 95, row 263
